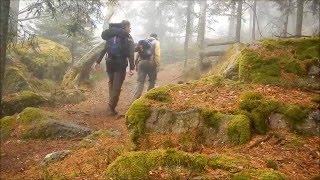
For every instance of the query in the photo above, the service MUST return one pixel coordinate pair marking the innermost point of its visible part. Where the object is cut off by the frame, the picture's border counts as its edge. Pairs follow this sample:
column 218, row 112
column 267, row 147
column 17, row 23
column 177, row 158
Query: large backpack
column 115, row 38
column 144, row 49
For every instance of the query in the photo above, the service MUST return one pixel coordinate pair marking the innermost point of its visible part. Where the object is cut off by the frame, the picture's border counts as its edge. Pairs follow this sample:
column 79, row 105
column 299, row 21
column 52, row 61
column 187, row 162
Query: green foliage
column 258, row 174
column 137, row 165
column 238, row 130
column 136, row 117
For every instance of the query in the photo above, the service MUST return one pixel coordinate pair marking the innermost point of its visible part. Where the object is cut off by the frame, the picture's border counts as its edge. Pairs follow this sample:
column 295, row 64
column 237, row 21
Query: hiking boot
column 112, row 111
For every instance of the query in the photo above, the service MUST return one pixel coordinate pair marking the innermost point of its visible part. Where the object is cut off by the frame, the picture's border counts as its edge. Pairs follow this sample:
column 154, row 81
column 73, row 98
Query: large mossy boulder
column 15, row 103
column 44, row 58
column 285, row 62
column 34, row 123
column 214, row 111
column 17, row 79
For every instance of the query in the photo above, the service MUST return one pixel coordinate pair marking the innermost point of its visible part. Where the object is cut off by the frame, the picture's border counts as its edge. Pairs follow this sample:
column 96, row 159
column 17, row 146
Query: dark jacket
column 116, row 64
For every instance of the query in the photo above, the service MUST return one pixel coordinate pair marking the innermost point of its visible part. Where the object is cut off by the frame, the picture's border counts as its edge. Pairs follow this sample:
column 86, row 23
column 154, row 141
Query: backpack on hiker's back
column 144, row 48
column 116, row 39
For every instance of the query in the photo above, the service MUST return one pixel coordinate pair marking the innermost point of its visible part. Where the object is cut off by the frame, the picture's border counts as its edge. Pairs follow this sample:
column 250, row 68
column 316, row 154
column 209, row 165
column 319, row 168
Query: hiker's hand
column 130, row 73
column 97, row 66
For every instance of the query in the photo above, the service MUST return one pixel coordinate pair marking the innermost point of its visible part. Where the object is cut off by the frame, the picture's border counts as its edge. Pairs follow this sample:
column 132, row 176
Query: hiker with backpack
column 119, row 49
column 147, row 63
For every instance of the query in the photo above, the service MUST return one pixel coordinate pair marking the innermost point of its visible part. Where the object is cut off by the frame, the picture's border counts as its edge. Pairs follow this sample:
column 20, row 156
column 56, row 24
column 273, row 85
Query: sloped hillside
column 272, row 94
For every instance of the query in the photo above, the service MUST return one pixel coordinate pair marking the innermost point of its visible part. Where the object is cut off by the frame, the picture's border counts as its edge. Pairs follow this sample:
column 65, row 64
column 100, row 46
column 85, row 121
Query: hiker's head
column 126, row 26
column 154, row 35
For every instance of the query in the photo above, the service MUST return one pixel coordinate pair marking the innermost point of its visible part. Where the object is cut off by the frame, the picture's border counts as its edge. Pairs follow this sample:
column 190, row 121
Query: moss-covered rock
column 6, row 126
column 239, row 131
column 70, row 96
column 275, row 61
column 259, row 109
column 17, row 102
column 295, row 114
column 137, row 165
column 53, row 129
column 45, row 58
column 259, row 174
column 136, row 118
column 15, row 81
column 32, row 115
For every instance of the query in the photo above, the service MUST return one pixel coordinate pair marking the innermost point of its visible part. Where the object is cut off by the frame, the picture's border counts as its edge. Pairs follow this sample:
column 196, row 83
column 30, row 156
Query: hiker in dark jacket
column 119, row 49
column 147, row 65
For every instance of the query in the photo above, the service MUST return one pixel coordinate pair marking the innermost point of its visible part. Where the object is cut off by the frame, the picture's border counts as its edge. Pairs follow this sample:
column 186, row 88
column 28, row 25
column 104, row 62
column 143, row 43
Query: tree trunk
column 80, row 71
column 232, row 21
column 4, row 20
column 13, row 25
column 109, row 15
column 202, row 27
column 286, row 20
column 72, row 49
column 254, row 20
column 299, row 17
column 188, row 31
column 239, row 14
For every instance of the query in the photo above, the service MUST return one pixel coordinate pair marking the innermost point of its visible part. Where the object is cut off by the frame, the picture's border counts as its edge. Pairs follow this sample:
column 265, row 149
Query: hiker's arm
column 103, row 52
column 131, row 53
column 157, row 54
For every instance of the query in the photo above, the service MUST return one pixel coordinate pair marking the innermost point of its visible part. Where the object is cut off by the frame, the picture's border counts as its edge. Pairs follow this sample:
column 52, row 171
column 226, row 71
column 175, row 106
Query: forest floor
column 296, row 157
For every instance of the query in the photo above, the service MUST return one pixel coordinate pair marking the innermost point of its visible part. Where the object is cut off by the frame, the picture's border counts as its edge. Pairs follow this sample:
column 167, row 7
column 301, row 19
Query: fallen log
column 211, row 53
column 80, row 71
column 220, row 44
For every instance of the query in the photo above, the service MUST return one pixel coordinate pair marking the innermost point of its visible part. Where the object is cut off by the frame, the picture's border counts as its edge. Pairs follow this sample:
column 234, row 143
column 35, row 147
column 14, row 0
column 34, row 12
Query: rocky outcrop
column 34, row 123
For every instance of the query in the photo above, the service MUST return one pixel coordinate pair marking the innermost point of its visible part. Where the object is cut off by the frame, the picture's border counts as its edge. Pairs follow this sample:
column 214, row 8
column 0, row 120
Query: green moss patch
column 238, row 130
column 211, row 118
column 6, row 126
column 266, row 65
column 136, row 117
column 259, row 174
column 137, row 165
column 33, row 116
column 17, row 102
column 158, row 94
column 258, row 109
column 228, row 163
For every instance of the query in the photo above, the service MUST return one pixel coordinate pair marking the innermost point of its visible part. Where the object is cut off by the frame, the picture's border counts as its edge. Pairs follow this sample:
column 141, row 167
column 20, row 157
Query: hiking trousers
column 116, row 79
column 145, row 68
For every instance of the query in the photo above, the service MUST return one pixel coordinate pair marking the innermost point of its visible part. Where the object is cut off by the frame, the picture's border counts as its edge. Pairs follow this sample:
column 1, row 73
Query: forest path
column 20, row 158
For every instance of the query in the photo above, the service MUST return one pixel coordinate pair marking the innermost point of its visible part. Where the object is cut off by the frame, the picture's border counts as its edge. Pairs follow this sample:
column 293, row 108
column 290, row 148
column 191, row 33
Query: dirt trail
column 19, row 156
